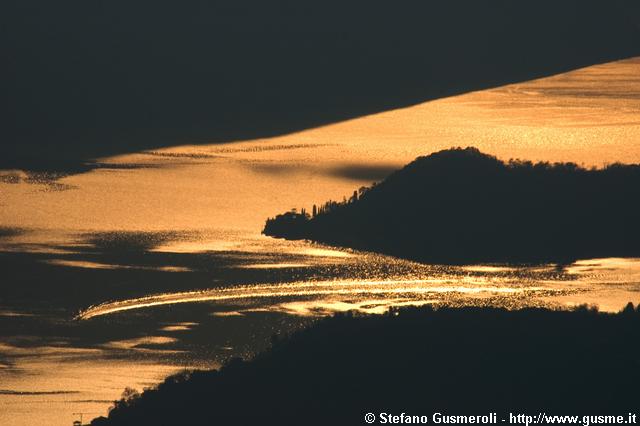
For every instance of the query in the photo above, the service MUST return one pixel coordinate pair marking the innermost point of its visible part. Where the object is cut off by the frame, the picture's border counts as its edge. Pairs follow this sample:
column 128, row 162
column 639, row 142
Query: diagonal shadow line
column 86, row 80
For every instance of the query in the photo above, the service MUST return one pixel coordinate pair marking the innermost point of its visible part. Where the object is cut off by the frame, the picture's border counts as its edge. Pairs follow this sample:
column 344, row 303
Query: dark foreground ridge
column 463, row 206
column 88, row 79
column 417, row 361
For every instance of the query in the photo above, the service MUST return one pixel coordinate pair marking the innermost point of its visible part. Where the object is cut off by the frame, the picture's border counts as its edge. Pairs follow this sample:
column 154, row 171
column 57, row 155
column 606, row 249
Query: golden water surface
column 203, row 284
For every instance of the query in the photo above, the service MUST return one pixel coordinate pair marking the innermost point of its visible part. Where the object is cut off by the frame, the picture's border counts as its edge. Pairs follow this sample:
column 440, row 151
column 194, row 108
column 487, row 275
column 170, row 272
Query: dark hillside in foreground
column 87, row 79
column 462, row 206
column 416, row 361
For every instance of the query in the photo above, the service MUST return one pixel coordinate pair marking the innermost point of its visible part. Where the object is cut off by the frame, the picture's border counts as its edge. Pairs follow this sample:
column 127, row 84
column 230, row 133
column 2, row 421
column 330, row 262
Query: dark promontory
column 419, row 361
column 463, row 206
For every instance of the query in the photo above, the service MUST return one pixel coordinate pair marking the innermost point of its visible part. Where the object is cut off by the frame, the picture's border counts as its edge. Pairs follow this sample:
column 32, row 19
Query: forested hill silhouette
column 469, row 361
column 85, row 79
column 462, row 206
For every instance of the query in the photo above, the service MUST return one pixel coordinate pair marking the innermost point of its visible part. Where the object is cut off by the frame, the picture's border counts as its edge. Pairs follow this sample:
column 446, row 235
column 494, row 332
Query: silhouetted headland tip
column 460, row 205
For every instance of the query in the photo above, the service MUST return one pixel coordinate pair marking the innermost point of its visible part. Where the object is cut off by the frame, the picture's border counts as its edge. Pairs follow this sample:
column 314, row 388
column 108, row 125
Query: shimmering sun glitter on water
column 159, row 253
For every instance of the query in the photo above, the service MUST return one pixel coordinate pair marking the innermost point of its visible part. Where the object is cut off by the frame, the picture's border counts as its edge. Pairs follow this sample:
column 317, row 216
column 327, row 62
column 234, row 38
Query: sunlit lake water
column 153, row 262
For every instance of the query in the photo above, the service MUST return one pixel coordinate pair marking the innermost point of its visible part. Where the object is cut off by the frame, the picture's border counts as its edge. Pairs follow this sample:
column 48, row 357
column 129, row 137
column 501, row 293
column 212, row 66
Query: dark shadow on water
column 42, row 290
column 83, row 80
column 7, row 232
column 363, row 172
column 351, row 171
column 109, row 266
